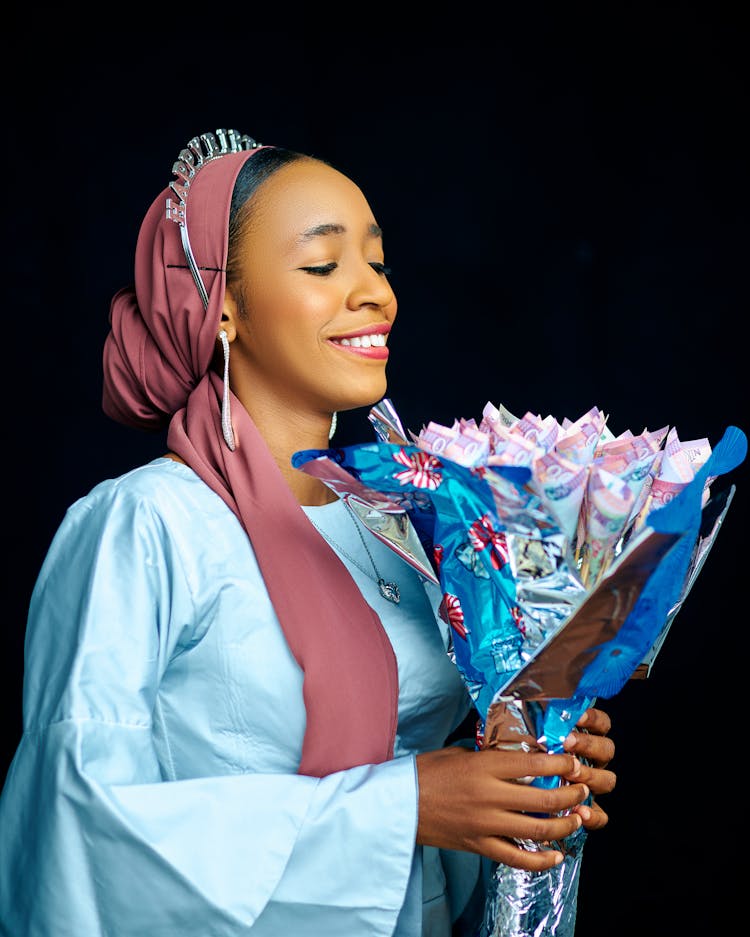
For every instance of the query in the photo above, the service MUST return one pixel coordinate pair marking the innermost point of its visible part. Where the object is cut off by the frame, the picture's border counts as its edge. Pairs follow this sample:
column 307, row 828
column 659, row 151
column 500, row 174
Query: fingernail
column 569, row 740
column 584, row 717
column 558, row 858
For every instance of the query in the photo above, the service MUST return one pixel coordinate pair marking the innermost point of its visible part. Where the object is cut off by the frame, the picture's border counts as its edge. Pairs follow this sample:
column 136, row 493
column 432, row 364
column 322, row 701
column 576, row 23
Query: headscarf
column 157, row 359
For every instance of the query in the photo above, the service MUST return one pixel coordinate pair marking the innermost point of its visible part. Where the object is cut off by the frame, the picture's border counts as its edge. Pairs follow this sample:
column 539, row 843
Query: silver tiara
column 199, row 151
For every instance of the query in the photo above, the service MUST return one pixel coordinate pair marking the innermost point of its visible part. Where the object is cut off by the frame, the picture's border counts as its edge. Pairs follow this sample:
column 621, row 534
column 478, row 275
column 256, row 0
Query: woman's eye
column 321, row 270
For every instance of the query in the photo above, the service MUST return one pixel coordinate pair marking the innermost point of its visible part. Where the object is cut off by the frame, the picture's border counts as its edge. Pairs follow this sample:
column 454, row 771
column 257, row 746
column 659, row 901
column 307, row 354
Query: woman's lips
column 367, row 342
column 373, row 352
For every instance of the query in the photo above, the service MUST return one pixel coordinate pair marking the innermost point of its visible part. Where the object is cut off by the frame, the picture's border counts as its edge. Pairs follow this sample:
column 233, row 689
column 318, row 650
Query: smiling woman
column 312, row 273
column 237, row 700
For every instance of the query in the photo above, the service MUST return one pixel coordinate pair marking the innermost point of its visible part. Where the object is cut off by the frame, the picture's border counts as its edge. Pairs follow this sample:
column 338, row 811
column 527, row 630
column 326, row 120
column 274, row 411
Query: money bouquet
column 563, row 553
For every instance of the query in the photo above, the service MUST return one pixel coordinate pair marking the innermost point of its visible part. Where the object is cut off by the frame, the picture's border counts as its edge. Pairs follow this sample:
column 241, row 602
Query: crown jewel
column 199, row 151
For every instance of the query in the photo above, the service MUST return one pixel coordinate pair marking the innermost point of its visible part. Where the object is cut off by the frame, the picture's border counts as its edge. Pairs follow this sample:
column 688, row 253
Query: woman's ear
column 229, row 316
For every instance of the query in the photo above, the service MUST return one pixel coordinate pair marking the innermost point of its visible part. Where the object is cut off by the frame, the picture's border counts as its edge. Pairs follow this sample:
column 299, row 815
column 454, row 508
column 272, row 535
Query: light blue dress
column 154, row 791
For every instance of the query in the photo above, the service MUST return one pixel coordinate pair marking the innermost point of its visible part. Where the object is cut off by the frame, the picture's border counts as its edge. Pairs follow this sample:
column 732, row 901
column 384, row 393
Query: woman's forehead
column 308, row 199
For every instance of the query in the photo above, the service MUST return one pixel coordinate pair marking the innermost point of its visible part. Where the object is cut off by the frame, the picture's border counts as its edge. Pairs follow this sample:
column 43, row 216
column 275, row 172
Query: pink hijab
column 156, row 372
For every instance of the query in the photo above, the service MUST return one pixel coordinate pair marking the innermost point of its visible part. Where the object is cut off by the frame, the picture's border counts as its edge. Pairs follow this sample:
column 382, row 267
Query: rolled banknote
column 562, row 485
column 499, row 416
column 513, row 450
column 675, row 473
column 579, row 439
column 631, row 459
column 607, row 505
column 463, row 442
column 469, row 446
column 543, row 432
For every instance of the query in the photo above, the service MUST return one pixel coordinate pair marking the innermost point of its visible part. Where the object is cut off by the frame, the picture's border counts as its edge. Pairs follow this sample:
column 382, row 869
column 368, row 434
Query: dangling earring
column 332, row 430
column 226, row 416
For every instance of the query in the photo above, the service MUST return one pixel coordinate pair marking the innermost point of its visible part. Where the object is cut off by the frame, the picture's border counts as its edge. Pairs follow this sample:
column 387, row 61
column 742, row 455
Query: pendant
column 389, row 591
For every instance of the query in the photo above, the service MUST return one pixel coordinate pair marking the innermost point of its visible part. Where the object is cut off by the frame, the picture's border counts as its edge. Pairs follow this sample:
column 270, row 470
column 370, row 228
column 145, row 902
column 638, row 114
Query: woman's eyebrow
column 323, row 230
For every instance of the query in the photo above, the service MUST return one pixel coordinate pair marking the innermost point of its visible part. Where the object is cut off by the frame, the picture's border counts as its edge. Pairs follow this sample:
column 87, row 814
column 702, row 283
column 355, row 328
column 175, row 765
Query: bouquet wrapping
column 563, row 554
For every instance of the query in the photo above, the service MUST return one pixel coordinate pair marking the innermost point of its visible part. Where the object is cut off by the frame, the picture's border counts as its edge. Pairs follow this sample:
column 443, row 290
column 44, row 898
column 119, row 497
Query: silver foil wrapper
column 531, row 904
column 521, row 903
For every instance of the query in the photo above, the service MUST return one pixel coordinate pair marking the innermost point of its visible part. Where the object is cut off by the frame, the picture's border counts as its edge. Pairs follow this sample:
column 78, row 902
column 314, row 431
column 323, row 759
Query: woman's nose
column 371, row 289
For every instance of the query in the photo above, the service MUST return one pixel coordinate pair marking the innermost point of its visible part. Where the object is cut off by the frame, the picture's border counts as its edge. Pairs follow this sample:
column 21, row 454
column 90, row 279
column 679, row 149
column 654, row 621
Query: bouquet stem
column 521, row 903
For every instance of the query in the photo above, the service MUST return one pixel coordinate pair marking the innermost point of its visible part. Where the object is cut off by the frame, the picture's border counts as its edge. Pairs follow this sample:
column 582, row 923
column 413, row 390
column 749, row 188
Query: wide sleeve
column 94, row 840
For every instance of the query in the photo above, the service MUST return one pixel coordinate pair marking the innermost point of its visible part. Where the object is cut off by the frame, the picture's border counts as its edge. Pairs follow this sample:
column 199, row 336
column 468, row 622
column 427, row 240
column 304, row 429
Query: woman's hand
column 479, row 801
column 596, row 750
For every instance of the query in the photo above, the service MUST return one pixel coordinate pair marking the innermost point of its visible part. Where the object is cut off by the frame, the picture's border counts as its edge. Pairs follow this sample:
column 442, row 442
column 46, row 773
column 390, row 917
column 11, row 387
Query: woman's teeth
column 362, row 341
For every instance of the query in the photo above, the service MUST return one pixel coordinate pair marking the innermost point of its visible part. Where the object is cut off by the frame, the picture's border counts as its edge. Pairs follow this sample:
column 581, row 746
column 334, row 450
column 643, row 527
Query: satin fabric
column 156, row 788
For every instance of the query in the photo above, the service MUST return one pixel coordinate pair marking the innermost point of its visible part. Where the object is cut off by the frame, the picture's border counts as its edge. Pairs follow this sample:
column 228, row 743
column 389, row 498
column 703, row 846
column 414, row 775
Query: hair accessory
column 226, row 416
column 334, row 421
column 199, row 151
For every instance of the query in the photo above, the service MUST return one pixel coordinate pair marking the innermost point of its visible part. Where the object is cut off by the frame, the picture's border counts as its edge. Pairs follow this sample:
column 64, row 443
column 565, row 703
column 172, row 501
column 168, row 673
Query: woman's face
column 317, row 303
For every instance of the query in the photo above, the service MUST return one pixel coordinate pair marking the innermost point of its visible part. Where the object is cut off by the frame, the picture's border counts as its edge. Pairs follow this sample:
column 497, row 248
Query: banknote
column 513, row 450
column 562, row 485
column 631, row 459
column 542, row 432
column 579, row 439
column 609, row 501
column 469, row 446
column 434, row 438
column 463, row 442
column 676, row 469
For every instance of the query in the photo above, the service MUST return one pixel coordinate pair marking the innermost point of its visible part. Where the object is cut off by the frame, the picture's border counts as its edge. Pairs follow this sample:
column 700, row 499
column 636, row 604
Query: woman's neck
column 293, row 433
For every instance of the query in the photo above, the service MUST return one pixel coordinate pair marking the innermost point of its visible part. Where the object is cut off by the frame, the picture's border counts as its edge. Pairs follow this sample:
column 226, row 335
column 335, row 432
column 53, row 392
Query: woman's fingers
column 595, row 754
column 591, row 744
column 545, row 802
column 595, row 721
column 597, row 749
column 540, row 829
column 517, row 765
column 594, row 818
column 485, row 801
column 508, row 853
column 479, row 801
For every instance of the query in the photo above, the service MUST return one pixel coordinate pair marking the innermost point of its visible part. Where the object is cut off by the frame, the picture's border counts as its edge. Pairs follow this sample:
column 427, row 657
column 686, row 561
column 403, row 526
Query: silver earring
column 226, row 416
column 332, row 430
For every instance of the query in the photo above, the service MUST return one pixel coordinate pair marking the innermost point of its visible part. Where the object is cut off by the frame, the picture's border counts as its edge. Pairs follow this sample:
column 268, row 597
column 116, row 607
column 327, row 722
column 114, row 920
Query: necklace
column 389, row 590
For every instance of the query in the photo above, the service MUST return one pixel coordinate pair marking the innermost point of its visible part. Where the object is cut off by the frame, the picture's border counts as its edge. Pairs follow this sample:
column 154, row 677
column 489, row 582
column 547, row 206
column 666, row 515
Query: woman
column 230, row 726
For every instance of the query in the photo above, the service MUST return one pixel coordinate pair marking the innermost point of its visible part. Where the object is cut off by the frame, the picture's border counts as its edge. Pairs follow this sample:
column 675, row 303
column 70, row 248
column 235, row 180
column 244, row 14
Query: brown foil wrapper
column 556, row 669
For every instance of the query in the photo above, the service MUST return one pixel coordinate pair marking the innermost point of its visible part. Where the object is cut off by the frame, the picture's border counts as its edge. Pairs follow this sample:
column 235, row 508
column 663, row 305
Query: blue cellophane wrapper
column 535, row 647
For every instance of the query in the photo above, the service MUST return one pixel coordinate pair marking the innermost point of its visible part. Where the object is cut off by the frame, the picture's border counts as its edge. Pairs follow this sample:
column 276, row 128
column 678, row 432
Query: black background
column 564, row 199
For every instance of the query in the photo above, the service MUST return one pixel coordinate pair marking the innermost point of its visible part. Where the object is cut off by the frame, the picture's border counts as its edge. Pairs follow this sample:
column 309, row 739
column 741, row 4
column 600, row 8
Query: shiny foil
column 533, row 904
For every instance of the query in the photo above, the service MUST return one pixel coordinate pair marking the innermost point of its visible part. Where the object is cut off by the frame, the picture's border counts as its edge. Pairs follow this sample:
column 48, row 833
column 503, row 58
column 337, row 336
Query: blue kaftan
column 154, row 792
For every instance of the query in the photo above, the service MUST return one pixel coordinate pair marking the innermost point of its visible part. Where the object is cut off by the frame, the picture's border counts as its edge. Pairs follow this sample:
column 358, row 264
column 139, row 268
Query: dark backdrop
column 565, row 204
